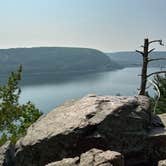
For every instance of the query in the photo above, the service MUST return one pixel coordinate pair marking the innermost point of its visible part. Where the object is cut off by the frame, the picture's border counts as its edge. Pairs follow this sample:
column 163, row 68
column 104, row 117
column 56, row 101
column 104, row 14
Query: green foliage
column 14, row 117
column 160, row 81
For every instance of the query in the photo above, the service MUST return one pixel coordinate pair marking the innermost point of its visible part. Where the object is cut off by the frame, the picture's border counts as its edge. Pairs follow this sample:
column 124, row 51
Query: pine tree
column 14, row 117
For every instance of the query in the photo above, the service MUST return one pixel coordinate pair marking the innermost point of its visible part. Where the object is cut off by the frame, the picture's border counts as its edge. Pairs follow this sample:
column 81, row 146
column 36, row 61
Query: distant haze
column 107, row 25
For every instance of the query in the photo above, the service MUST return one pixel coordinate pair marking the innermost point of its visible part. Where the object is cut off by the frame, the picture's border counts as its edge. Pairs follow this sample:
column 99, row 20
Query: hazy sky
column 108, row 25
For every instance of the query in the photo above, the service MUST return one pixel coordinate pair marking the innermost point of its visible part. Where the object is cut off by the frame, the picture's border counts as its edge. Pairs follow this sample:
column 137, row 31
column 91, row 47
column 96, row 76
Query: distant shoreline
column 53, row 77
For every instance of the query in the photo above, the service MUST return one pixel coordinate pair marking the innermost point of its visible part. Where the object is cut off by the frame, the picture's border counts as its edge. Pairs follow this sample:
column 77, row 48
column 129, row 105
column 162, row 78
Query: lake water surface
column 48, row 96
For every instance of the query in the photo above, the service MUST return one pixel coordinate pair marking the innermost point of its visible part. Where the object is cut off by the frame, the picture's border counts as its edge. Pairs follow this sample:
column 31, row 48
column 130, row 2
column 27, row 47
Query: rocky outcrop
column 95, row 130
column 93, row 157
column 103, row 122
column 6, row 154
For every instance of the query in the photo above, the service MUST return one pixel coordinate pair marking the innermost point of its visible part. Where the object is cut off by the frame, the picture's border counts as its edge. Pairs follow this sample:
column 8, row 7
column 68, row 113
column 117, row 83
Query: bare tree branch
column 156, row 59
column 146, row 53
column 159, row 41
column 158, row 72
column 151, row 50
column 140, row 52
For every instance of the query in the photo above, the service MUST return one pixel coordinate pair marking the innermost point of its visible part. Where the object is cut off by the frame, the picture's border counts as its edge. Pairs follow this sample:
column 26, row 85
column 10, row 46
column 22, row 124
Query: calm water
column 48, row 96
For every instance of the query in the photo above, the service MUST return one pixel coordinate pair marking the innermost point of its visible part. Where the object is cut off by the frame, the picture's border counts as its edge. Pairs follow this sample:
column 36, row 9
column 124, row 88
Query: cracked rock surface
column 104, row 122
column 93, row 157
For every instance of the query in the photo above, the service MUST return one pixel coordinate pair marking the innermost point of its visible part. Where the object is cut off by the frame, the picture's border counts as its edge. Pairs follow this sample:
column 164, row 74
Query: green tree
column 160, row 81
column 14, row 117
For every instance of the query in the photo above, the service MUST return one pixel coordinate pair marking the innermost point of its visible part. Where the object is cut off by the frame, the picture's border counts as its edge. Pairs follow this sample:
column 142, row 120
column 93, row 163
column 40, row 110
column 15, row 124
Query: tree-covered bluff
column 133, row 59
column 54, row 61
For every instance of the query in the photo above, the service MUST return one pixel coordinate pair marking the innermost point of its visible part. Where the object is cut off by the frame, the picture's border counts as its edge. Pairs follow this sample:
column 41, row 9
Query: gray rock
column 66, row 162
column 93, row 157
column 157, row 121
column 6, row 154
column 103, row 122
column 163, row 118
column 156, row 141
column 162, row 163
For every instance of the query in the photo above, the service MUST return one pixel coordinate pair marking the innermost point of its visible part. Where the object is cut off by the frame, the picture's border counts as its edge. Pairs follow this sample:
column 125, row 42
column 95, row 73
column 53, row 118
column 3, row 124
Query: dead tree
column 145, row 54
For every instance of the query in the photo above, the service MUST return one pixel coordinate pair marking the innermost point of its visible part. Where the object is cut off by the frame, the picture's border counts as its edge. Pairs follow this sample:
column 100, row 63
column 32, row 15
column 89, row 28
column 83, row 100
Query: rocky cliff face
column 94, row 126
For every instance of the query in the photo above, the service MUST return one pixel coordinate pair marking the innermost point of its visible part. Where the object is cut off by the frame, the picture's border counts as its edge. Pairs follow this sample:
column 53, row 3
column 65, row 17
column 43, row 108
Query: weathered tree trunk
column 144, row 68
column 145, row 53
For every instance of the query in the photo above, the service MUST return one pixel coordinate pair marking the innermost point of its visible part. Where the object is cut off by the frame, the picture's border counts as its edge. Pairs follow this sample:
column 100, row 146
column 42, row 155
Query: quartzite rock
column 66, row 162
column 103, row 122
column 93, row 157
column 162, row 163
column 96, row 157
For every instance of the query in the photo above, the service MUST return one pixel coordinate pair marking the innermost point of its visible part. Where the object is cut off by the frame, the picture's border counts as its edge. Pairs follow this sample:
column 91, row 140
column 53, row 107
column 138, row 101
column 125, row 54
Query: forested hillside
column 132, row 59
column 49, row 62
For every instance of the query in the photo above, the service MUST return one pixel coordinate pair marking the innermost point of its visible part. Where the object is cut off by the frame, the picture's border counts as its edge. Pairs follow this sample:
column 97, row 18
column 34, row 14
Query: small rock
column 66, row 162
column 162, row 163
column 93, row 157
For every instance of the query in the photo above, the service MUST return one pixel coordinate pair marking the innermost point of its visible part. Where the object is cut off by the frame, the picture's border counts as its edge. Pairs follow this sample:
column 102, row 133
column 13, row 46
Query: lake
column 47, row 96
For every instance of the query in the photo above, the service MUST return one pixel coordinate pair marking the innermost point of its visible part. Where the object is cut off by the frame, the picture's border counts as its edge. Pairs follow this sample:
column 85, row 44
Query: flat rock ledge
column 93, row 157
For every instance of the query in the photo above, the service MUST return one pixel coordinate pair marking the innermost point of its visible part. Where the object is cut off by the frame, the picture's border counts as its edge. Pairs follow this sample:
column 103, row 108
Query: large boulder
column 6, row 154
column 104, row 122
column 93, row 157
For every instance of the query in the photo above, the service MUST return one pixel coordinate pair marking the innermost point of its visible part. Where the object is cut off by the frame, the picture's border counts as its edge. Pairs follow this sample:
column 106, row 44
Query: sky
column 107, row 25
